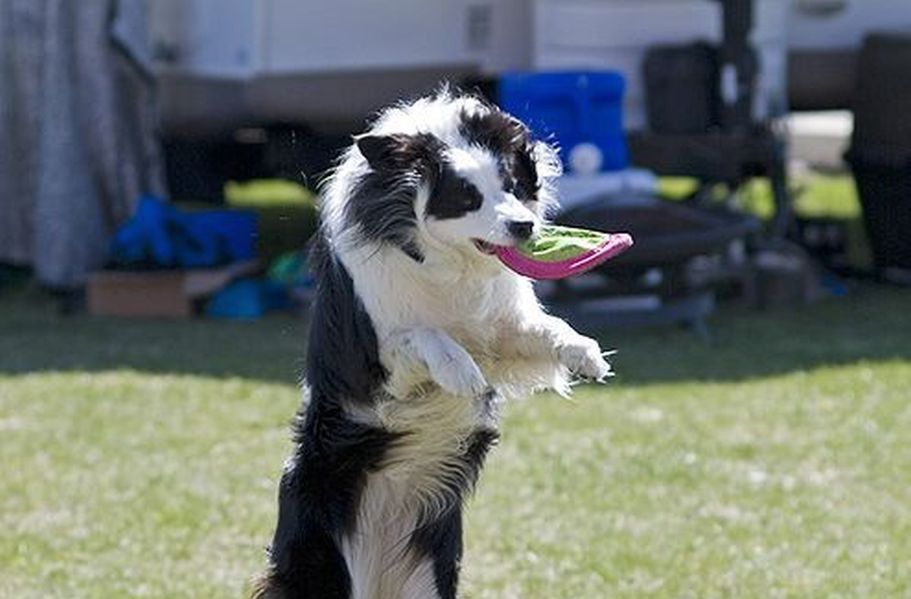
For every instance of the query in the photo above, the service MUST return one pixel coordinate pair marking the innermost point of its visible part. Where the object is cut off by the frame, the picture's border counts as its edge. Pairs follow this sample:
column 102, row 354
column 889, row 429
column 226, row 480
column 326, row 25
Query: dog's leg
column 305, row 561
column 319, row 503
column 550, row 335
column 448, row 364
column 581, row 354
column 440, row 544
column 438, row 540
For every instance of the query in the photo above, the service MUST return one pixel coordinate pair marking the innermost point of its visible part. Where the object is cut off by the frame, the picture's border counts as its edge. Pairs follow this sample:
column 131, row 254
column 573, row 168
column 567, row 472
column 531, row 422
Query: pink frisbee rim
column 615, row 244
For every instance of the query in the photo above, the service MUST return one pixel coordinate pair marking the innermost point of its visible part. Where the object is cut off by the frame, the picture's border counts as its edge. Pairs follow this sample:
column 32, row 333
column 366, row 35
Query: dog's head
column 449, row 174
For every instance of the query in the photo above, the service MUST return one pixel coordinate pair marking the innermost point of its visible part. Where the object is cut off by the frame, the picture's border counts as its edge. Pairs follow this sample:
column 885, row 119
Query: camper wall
column 615, row 34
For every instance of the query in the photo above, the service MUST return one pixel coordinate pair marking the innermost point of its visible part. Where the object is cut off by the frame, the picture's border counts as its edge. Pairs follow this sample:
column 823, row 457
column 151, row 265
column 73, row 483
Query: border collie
column 418, row 335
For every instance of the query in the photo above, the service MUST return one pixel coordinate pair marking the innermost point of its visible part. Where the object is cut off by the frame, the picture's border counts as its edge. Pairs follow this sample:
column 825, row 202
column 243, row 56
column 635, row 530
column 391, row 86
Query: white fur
column 378, row 561
column 488, row 223
column 448, row 329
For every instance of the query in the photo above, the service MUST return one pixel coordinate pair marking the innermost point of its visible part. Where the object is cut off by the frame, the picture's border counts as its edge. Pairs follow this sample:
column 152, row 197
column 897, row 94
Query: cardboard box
column 158, row 293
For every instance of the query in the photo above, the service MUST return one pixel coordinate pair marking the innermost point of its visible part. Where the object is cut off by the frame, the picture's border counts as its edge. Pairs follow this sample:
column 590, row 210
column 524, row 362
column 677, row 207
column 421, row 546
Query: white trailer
column 225, row 63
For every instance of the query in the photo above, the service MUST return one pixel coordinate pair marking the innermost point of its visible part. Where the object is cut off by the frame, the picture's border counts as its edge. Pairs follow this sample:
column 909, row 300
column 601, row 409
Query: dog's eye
column 519, row 179
column 469, row 197
column 523, row 192
column 528, row 195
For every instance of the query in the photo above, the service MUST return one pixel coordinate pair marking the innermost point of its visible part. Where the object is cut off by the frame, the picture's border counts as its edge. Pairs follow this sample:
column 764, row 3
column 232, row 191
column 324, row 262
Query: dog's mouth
column 485, row 247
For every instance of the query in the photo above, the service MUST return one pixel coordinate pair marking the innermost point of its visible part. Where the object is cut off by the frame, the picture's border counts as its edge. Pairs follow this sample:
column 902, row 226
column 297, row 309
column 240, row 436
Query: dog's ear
column 397, row 151
column 378, row 149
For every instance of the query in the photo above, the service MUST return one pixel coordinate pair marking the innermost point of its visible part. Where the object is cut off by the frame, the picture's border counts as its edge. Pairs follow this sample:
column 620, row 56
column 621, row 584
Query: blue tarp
column 158, row 235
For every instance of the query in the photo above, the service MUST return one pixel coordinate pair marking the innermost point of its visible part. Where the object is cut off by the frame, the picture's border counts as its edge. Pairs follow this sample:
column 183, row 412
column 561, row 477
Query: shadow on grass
column 873, row 324
column 35, row 338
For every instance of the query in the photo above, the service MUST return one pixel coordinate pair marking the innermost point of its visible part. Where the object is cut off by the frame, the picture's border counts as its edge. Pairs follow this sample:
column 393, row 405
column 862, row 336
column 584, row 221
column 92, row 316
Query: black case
column 880, row 154
column 682, row 88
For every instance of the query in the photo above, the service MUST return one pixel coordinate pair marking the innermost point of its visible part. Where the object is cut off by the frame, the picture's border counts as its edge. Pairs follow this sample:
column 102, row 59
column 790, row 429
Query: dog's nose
column 520, row 229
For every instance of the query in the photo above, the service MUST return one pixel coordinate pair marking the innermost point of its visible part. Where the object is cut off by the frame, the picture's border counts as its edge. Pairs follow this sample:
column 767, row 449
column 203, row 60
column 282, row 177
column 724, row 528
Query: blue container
column 247, row 299
column 571, row 108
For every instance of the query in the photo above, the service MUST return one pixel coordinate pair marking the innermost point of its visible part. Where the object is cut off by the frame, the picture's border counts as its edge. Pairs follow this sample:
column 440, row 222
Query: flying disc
column 560, row 252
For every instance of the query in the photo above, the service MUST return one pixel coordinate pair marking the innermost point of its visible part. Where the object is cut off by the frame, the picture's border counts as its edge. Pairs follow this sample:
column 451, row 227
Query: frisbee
column 561, row 252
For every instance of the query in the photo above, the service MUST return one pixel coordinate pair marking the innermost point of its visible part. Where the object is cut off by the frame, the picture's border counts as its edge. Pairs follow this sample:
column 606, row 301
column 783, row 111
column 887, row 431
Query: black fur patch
column 321, row 487
column 334, row 455
column 452, row 196
column 345, row 361
column 382, row 204
column 477, row 447
column 442, row 540
column 306, row 563
column 511, row 142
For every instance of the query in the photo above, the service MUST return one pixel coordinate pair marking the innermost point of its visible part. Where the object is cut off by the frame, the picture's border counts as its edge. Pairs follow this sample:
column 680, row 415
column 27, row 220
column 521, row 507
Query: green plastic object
column 556, row 244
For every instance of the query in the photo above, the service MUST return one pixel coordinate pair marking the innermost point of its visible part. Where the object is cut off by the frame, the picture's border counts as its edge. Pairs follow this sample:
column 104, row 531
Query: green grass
column 815, row 195
column 140, row 459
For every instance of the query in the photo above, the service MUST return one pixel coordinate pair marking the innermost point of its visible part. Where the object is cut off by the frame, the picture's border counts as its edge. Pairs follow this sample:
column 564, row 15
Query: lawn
column 140, row 459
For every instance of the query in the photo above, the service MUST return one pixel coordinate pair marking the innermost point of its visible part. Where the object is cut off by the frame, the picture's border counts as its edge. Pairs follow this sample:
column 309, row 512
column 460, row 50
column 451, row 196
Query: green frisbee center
column 556, row 244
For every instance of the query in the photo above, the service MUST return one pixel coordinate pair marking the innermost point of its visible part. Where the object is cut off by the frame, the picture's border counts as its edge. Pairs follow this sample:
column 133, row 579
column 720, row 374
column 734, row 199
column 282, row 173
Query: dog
column 418, row 336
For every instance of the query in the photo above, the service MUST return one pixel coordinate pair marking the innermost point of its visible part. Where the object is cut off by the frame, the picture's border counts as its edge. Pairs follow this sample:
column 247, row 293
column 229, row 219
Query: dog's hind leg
column 306, row 562
column 318, row 501
column 440, row 544
column 438, row 541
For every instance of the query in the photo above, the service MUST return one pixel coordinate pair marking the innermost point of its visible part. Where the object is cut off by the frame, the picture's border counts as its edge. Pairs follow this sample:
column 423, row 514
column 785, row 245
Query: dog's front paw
column 453, row 369
column 583, row 356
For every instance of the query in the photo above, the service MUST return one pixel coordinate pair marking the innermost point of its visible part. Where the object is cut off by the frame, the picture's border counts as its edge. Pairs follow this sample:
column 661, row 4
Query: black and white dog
column 418, row 335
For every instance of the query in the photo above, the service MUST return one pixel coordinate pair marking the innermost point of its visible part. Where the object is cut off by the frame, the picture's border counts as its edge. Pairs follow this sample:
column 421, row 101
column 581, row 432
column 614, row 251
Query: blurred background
column 160, row 164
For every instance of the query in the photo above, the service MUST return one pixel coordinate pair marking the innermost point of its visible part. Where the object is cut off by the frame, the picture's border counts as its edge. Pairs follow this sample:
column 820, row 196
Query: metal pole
column 738, row 65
